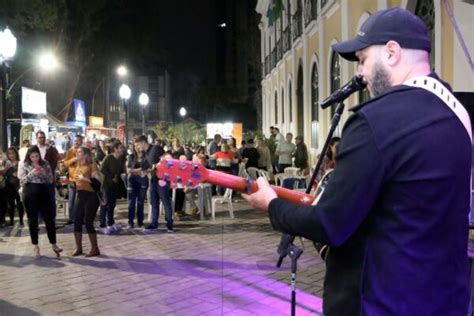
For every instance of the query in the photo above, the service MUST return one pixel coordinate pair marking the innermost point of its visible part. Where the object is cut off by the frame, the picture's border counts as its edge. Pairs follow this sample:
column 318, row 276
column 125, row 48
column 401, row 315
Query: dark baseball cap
column 395, row 24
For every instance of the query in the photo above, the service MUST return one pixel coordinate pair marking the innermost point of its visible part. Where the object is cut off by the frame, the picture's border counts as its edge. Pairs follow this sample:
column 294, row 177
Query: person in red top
column 224, row 159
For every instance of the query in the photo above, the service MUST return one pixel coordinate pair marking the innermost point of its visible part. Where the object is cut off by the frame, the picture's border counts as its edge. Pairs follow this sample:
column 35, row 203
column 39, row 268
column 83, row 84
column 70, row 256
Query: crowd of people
column 92, row 174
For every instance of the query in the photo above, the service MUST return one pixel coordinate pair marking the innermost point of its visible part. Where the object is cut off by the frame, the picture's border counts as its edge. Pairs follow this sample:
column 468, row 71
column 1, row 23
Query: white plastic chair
column 226, row 198
column 61, row 201
column 264, row 173
column 253, row 173
column 291, row 171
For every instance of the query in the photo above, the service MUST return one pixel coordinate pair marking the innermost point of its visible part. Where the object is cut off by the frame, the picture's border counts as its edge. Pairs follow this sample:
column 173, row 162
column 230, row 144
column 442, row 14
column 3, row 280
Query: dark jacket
column 153, row 156
column 395, row 211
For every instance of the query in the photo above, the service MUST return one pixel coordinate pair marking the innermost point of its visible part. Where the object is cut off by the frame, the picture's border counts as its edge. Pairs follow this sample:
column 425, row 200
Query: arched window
column 282, row 106
column 426, row 11
column 276, row 108
column 335, row 77
column 315, row 93
column 314, row 106
column 290, row 94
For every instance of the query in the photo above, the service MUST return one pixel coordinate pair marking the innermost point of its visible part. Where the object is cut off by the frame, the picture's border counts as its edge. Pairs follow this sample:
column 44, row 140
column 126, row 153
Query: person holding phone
column 35, row 179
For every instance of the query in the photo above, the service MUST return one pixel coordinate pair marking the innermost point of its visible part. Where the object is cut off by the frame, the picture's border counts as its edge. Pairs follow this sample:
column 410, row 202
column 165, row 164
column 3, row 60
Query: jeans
column 37, row 201
column 160, row 193
column 137, row 187
column 107, row 210
column 71, row 200
column 14, row 198
column 86, row 209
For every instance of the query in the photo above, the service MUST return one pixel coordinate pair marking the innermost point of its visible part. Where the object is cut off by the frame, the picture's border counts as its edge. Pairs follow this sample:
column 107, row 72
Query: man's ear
column 392, row 53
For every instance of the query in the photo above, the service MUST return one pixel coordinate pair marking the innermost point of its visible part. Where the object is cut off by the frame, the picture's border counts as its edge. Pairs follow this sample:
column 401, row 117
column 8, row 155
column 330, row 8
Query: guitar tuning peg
column 195, row 167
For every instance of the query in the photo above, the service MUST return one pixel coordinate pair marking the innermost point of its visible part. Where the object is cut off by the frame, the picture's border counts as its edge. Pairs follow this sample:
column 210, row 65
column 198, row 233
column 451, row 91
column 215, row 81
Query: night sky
column 93, row 36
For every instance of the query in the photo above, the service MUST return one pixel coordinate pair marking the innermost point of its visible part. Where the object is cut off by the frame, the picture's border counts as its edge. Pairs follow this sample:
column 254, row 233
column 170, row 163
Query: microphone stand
column 286, row 246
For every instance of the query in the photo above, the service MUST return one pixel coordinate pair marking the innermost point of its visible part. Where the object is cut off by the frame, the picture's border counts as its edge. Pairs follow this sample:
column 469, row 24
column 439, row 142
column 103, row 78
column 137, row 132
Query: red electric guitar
column 190, row 174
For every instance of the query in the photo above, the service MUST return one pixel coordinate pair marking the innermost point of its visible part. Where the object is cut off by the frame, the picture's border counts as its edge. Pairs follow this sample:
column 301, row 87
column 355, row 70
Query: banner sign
column 79, row 110
column 33, row 101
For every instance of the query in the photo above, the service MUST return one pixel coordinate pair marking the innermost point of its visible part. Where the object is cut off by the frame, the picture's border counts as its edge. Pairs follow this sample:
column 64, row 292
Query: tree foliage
column 186, row 132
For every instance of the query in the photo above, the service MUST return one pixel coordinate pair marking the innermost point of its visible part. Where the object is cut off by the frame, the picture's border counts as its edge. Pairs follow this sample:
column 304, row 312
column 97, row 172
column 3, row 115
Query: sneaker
column 170, row 231
column 130, row 226
column 116, row 227
column 108, row 230
column 151, row 227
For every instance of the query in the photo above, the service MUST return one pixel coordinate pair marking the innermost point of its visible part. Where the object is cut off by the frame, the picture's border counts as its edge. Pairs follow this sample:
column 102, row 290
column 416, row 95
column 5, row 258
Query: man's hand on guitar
column 262, row 198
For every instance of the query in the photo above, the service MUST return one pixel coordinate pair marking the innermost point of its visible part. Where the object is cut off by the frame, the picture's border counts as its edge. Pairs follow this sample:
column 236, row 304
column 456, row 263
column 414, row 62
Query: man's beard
column 380, row 80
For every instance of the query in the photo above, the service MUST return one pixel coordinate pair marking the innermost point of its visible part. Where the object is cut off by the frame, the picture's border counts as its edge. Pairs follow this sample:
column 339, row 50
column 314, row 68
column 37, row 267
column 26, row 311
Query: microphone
column 354, row 85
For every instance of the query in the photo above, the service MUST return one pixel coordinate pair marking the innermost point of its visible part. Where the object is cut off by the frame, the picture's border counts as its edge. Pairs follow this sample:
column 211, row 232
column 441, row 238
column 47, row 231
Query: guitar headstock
column 181, row 173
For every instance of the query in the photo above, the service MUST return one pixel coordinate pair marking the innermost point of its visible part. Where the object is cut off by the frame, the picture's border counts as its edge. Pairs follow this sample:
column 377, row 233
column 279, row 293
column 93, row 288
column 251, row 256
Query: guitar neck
column 243, row 185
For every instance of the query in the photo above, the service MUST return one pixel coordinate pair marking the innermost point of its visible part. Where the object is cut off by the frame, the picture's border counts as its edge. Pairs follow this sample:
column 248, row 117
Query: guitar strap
column 438, row 89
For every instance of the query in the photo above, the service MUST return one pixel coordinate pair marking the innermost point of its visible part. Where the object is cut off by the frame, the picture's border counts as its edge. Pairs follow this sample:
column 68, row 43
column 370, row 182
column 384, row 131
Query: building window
column 282, row 106
column 276, row 108
column 290, row 99
column 426, row 11
column 314, row 106
column 335, row 77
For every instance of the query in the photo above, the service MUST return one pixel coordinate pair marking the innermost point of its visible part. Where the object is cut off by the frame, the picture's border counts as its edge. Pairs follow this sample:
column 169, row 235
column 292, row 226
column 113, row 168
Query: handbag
column 96, row 185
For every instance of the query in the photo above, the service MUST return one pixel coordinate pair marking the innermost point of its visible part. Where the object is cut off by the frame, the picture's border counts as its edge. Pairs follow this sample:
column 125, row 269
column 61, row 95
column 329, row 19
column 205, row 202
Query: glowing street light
column 182, row 112
column 48, row 62
column 122, row 71
column 143, row 100
column 125, row 94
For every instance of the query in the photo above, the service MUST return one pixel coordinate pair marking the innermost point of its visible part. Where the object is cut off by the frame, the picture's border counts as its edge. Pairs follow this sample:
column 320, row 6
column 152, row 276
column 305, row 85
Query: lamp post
column 143, row 100
column 125, row 93
column 7, row 51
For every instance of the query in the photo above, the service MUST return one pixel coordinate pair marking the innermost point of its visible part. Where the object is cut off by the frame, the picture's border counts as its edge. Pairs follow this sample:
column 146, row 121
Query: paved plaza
column 222, row 267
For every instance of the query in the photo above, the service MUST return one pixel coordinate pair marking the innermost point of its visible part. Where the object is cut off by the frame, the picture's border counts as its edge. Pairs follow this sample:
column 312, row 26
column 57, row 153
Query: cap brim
column 347, row 49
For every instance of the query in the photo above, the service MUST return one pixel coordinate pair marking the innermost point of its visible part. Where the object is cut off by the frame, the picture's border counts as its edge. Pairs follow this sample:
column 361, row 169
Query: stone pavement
column 225, row 267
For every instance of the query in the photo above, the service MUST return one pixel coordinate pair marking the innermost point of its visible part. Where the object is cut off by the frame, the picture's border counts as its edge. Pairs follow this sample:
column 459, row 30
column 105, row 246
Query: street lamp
column 182, row 112
column 125, row 93
column 122, row 71
column 7, row 51
column 143, row 100
column 47, row 62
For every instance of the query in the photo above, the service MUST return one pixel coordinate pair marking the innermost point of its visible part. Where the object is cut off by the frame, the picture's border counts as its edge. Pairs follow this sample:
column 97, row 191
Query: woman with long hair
column 35, row 179
column 137, row 185
column 12, row 186
column 87, row 179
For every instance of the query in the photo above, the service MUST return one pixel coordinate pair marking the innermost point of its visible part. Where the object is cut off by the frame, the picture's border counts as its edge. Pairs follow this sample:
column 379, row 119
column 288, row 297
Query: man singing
column 395, row 211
